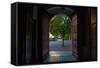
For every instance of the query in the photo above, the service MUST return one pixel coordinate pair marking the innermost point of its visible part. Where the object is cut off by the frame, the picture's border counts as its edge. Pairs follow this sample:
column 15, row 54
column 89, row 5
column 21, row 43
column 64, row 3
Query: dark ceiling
column 53, row 9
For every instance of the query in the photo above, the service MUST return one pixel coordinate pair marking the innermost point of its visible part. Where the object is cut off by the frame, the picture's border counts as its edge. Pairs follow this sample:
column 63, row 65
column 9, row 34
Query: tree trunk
column 63, row 42
column 69, row 37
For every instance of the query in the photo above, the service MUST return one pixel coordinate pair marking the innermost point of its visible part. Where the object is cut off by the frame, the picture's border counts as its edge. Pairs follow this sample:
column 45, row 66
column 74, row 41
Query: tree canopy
column 60, row 25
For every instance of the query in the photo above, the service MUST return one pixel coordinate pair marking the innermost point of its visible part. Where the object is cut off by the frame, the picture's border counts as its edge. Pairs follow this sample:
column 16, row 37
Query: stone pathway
column 57, row 45
column 58, row 53
column 60, row 56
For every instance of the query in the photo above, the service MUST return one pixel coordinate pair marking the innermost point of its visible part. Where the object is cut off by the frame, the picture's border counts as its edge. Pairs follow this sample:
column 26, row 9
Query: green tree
column 60, row 25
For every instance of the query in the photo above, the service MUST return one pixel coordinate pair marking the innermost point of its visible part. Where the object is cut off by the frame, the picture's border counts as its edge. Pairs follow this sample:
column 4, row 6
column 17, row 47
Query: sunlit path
column 58, row 53
column 59, row 56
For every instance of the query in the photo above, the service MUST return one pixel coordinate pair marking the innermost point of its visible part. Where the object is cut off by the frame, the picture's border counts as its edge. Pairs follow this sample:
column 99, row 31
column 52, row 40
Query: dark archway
column 60, row 46
column 45, row 16
column 81, row 29
column 30, row 32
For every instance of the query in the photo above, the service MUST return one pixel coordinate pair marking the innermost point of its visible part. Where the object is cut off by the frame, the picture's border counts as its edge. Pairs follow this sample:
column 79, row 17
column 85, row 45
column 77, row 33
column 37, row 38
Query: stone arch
column 46, row 16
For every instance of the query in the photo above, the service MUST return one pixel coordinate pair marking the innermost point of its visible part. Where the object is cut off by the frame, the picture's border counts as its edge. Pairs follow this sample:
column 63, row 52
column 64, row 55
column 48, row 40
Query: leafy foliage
column 60, row 25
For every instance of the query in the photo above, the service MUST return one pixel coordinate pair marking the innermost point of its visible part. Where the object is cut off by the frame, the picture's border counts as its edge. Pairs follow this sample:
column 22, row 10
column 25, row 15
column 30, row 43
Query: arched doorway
column 71, row 50
column 32, row 32
column 60, row 39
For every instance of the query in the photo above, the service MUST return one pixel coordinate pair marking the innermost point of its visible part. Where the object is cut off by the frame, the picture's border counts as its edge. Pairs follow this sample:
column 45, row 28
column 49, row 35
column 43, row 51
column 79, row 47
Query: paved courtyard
column 57, row 45
column 58, row 53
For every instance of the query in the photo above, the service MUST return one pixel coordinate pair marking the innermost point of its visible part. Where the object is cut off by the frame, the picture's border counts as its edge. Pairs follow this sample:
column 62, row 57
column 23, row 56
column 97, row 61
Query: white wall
column 5, row 34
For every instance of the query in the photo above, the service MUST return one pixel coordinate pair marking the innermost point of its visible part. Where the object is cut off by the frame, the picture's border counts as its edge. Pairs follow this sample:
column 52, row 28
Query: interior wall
column 94, row 33
column 74, row 35
column 30, row 33
column 84, row 34
column 45, row 34
column 21, row 34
